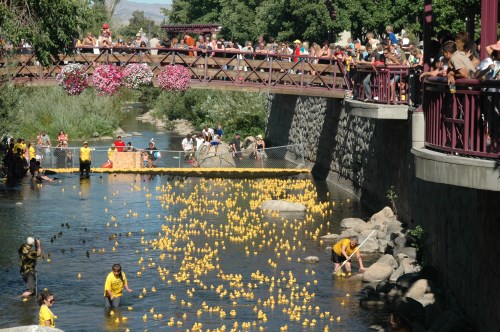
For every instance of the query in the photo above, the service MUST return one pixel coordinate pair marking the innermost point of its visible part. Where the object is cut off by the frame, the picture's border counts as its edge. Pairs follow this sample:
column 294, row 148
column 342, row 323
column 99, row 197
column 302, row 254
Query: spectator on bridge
column 154, row 44
column 461, row 39
column 88, row 43
column 105, row 37
column 390, row 35
column 459, row 65
column 489, row 68
column 137, row 40
column 471, row 51
column 189, row 42
column 202, row 46
column 324, row 54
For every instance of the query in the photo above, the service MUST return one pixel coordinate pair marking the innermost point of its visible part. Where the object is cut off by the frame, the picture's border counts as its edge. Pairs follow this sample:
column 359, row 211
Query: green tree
column 49, row 25
column 136, row 22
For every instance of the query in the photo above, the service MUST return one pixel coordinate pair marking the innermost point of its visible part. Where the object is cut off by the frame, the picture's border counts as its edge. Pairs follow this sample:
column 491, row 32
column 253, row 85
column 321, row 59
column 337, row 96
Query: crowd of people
column 211, row 138
column 21, row 156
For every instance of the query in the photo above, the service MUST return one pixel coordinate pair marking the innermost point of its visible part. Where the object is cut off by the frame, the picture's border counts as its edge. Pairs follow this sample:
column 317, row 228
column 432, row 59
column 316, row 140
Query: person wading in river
column 28, row 256
column 342, row 250
column 113, row 287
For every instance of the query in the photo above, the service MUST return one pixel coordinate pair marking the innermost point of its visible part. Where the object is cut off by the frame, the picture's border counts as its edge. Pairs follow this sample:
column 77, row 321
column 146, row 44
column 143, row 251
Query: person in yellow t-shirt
column 341, row 252
column 46, row 317
column 85, row 159
column 113, row 287
column 31, row 151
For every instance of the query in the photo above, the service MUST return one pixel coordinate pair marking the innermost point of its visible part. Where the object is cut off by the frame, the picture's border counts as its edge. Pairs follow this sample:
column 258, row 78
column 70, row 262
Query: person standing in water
column 28, row 256
column 46, row 317
column 113, row 287
column 342, row 250
column 85, row 159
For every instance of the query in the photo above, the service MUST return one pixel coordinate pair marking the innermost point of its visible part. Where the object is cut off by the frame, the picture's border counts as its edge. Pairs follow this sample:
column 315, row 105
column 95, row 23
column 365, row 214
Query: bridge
column 227, row 70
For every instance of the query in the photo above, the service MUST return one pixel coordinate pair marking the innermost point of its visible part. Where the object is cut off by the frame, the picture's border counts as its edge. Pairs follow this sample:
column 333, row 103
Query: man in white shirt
column 187, row 146
column 154, row 43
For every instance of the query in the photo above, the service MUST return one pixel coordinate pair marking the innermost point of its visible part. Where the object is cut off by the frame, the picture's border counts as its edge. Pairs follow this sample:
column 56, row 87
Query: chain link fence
column 284, row 157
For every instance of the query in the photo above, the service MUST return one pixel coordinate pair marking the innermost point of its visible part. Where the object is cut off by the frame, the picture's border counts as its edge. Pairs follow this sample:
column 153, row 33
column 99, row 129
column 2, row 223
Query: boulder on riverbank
column 207, row 156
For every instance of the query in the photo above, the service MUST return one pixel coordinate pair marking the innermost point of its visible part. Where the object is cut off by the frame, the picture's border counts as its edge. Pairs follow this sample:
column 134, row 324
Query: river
column 186, row 245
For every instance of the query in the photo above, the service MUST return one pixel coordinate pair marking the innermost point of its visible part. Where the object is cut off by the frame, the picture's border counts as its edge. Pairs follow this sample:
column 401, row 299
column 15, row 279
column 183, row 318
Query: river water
column 190, row 247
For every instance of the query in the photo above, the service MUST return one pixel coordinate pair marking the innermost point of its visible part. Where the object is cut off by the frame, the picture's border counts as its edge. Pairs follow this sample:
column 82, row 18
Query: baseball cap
column 85, row 142
column 30, row 240
column 105, row 26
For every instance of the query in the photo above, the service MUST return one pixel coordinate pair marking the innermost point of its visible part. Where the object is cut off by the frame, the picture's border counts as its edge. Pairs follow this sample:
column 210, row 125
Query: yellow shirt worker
column 46, row 317
column 113, row 287
column 85, row 159
column 342, row 250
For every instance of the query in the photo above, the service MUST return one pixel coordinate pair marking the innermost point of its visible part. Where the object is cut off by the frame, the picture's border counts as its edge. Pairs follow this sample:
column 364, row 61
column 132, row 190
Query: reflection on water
column 191, row 216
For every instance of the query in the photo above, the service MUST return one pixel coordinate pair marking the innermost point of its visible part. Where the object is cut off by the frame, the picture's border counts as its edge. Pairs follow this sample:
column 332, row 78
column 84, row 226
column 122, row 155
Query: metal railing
column 382, row 84
column 236, row 68
column 466, row 122
column 284, row 157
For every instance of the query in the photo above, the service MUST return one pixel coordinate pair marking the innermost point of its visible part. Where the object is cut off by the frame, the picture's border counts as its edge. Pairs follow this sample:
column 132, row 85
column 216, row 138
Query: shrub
column 107, row 79
column 136, row 75
column 73, row 78
column 174, row 78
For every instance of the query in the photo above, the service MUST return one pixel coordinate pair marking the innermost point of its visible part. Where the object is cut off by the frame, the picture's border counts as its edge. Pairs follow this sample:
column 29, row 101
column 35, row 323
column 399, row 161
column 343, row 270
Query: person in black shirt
column 236, row 147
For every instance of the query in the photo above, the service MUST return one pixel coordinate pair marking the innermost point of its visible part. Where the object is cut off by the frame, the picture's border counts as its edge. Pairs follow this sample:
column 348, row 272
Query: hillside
column 125, row 9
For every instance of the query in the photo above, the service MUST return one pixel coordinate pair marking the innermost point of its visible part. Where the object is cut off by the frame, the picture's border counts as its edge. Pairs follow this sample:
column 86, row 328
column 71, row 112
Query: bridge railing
column 466, row 122
column 382, row 84
column 215, row 67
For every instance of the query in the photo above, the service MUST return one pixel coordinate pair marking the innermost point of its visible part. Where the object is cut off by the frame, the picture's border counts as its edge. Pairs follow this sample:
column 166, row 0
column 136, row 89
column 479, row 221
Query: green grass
column 50, row 109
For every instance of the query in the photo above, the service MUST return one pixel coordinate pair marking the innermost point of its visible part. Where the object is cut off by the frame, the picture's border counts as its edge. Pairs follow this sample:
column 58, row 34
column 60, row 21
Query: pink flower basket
column 73, row 78
column 107, row 79
column 136, row 75
column 174, row 78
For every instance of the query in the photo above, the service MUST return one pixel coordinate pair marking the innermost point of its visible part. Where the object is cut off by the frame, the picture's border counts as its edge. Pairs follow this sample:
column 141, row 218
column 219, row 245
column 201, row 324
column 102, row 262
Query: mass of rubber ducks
column 200, row 221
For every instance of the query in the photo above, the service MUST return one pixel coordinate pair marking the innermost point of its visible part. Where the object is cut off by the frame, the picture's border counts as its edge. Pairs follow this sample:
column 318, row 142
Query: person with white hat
column 28, row 256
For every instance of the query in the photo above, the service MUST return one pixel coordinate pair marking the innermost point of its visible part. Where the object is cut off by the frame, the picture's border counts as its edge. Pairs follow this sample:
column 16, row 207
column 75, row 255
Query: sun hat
column 105, row 26
column 496, row 47
column 296, row 41
column 259, row 136
column 30, row 240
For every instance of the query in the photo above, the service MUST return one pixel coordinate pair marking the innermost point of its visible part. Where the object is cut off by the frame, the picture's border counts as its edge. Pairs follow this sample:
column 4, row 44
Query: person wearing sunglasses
column 113, row 288
column 46, row 317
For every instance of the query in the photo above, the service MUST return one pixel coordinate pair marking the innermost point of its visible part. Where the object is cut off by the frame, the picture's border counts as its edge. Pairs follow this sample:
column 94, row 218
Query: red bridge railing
column 382, row 84
column 273, row 71
column 466, row 122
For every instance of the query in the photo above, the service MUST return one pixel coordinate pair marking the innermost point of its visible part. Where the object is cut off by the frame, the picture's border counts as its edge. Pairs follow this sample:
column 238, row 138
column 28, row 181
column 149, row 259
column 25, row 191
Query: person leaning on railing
column 459, row 65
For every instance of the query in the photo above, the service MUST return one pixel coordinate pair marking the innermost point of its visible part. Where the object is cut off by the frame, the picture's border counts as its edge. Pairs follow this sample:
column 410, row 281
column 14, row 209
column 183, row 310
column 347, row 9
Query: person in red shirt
column 119, row 143
column 296, row 51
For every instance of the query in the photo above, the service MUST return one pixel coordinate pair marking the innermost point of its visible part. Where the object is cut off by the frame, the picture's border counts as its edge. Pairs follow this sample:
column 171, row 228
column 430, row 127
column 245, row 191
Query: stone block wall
column 368, row 156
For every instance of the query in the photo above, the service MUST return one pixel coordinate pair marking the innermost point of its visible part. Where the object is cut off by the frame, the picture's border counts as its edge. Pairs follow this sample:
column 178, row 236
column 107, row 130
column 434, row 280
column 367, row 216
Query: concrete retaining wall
column 366, row 157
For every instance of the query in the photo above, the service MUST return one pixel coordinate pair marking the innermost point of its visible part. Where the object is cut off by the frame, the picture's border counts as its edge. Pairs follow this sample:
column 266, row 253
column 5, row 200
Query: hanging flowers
column 136, row 75
column 107, row 79
column 73, row 78
column 174, row 78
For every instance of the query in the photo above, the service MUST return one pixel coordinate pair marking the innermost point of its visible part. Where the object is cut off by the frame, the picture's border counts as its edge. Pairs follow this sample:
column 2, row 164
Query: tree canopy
column 310, row 19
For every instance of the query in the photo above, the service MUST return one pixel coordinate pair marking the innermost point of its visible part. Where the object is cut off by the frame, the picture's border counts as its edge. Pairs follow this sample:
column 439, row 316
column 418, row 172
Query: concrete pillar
column 417, row 128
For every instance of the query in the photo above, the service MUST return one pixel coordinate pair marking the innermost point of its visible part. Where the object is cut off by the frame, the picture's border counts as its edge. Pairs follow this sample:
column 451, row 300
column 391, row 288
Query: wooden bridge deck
column 226, row 71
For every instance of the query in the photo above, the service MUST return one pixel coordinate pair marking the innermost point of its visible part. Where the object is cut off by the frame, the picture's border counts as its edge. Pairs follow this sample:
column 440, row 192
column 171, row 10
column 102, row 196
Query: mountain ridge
column 125, row 8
